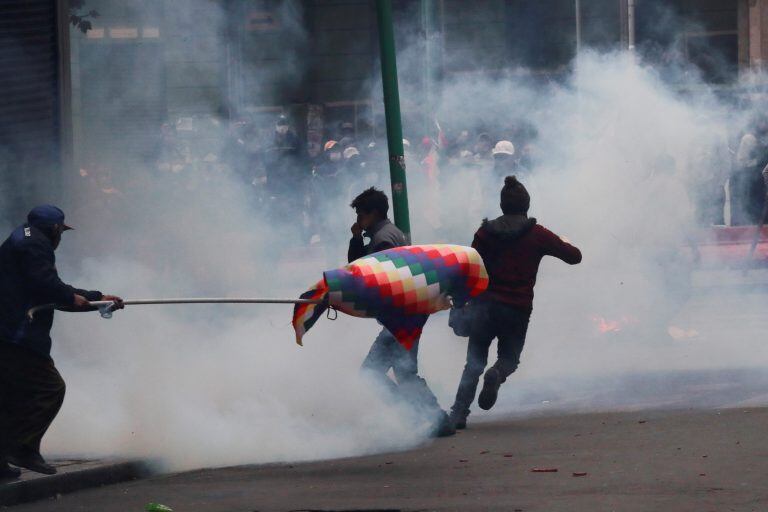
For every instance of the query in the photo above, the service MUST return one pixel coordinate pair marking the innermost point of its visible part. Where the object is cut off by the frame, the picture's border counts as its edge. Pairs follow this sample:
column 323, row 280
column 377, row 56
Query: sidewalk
column 73, row 475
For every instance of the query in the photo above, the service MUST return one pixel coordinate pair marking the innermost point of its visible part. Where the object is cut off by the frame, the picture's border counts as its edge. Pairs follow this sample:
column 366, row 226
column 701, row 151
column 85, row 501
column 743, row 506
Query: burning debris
column 605, row 325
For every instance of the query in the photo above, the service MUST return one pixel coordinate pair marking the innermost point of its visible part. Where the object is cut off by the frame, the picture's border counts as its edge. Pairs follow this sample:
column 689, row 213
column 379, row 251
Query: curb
column 22, row 491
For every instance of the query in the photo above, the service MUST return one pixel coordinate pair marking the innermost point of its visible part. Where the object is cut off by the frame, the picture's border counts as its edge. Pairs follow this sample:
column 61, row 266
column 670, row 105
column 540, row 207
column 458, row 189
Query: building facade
column 80, row 100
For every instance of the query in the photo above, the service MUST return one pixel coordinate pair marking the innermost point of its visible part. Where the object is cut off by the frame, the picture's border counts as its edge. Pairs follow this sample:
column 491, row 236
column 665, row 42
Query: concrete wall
column 475, row 35
column 705, row 32
column 756, row 14
column 118, row 80
column 195, row 57
column 343, row 53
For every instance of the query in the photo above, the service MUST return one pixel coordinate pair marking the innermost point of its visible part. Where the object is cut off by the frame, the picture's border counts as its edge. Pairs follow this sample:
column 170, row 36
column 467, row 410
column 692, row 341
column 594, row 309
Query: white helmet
column 503, row 147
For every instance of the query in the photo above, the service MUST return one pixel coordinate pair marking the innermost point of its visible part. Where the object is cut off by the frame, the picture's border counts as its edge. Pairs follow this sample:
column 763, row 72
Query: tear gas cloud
column 617, row 155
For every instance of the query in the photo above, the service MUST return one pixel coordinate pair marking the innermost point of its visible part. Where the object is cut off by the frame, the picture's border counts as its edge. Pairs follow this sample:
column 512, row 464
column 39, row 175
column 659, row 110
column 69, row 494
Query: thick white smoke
column 623, row 157
column 200, row 386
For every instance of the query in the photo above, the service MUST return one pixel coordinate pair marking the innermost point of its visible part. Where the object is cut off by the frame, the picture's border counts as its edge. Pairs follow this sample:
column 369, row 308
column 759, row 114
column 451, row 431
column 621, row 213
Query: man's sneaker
column 443, row 427
column 490, row 392
column 459, row 420
column 32, row 461
column 8, row 473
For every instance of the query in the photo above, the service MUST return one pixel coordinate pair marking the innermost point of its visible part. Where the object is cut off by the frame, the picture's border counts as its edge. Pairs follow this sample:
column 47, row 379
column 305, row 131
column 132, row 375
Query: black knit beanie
column 514, row 197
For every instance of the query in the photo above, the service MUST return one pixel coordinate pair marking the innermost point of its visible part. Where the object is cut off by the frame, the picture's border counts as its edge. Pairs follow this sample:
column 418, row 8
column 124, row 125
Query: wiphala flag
column 399, row 287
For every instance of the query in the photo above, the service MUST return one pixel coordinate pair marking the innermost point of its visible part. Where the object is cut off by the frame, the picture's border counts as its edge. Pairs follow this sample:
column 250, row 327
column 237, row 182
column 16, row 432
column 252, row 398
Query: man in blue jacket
column 31, row 389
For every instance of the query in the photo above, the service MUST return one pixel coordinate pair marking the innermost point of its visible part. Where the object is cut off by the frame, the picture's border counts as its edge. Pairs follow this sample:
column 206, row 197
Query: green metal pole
column 392, row 115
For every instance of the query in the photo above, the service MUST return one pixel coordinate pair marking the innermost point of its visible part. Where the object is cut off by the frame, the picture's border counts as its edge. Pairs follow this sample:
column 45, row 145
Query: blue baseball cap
column 46, row 215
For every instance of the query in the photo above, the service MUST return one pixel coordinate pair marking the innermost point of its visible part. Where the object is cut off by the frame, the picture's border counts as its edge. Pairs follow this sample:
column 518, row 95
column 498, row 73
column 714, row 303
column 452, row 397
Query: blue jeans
column 491, row 320
column 386, row 352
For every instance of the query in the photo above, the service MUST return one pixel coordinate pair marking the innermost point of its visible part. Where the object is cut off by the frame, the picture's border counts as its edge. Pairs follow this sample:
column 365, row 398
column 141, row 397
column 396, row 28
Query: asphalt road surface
column 680, row 460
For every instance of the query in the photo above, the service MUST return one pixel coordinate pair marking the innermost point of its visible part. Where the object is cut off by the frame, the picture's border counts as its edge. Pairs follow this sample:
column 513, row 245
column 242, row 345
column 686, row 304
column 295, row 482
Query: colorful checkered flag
column 399, row 287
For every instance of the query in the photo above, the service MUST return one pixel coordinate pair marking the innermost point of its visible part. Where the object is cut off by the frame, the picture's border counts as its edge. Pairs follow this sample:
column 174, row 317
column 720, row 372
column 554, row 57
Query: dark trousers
column 31, row 394
column 387, row 353
column 747, row 195
column 491, row 320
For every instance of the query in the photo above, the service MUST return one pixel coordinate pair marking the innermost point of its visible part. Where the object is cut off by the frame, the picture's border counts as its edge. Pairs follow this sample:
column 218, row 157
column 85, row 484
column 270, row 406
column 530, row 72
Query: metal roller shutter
column 29, row 102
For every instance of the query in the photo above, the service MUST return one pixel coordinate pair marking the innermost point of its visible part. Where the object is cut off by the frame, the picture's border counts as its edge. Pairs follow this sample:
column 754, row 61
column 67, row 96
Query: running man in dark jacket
column 371, row 207
column 512, row 247
column 31, row 389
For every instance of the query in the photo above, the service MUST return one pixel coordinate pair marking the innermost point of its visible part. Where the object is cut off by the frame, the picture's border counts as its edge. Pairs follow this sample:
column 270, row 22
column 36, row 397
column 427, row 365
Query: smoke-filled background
column 184, row 185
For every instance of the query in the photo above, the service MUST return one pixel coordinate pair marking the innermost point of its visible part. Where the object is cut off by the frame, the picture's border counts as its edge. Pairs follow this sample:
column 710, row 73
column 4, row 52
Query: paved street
column 638, row 461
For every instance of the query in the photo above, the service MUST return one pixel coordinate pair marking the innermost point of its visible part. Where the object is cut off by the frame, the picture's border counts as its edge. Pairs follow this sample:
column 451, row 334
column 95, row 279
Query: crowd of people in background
column 282, row 176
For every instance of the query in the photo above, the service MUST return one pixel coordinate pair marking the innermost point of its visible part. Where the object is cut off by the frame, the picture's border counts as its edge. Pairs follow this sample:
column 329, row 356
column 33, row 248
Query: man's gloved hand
column 114, row 298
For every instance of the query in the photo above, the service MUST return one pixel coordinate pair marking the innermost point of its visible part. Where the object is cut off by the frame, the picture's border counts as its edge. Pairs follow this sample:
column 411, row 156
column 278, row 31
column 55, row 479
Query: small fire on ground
column 605, row 325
